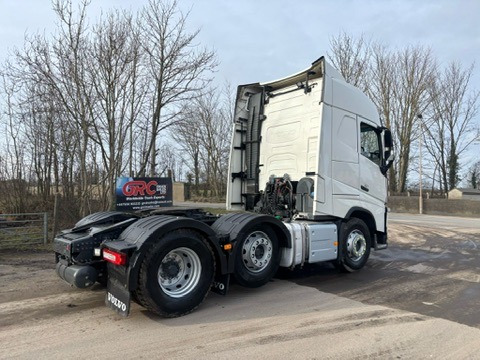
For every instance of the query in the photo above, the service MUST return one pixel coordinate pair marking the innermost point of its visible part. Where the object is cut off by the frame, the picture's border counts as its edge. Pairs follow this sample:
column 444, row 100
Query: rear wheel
column 356, row 243
column 176, row 274
column 257, row 257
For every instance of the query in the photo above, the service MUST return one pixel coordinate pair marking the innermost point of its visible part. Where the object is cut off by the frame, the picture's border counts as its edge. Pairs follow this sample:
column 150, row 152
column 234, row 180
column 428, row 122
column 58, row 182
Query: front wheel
column 176, row 274
column 356, row 243
column 257, row 257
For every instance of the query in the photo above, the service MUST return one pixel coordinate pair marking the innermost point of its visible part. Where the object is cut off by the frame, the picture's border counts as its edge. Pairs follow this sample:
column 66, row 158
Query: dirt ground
column 417, row 299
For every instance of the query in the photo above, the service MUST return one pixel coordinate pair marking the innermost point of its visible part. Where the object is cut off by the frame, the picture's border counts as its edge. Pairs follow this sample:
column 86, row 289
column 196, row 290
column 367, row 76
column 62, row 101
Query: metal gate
column 20, row 230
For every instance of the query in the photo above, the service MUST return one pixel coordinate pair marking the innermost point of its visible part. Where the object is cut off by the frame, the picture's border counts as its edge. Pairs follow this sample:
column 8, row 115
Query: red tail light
column 114, row 257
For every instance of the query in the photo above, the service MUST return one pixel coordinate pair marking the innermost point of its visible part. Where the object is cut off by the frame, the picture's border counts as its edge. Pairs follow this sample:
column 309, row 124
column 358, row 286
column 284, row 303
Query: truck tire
column 356, row 243
column 176, row 274
column 257, row 257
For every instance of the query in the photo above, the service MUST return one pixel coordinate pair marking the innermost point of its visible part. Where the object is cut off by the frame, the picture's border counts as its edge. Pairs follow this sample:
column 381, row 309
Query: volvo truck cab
column 310, row 149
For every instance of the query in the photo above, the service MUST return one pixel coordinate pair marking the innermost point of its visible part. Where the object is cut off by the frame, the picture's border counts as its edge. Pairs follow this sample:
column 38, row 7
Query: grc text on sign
column 143, row 193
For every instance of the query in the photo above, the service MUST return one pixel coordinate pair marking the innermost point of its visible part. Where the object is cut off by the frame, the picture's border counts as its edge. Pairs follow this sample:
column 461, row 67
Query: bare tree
column 380, row 87
column 61, row 67
column 12, row 161
column 170, row 163
column 187, row 134
column 451, row 129
column 113, row 68
column 204, row 137
column 38, row 126
column 413, row 75
column 351, row 57
column 87, row 103
column 179, row 70
column 397, row 82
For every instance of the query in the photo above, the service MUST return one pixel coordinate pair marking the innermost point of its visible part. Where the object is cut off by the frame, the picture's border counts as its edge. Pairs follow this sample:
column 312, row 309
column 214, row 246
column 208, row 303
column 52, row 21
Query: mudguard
column 234, row 226
column 100, row 218
column 140, row 235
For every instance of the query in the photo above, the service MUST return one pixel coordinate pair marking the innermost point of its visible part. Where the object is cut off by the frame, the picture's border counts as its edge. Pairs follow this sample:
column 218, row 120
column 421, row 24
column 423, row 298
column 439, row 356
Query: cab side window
column 370, row 143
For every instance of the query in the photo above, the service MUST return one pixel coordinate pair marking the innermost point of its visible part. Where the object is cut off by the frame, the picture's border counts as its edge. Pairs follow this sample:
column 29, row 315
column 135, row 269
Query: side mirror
column 388, row 155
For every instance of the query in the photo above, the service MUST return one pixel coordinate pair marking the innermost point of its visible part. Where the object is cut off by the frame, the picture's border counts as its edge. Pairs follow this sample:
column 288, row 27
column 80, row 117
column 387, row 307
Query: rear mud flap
column 118, row 298
column 220, row 284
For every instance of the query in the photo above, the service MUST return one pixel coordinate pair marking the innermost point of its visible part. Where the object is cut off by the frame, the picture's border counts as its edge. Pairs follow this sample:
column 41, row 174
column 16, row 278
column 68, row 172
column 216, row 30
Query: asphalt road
column 417, row 299
column 431, row 267
column 435, row 221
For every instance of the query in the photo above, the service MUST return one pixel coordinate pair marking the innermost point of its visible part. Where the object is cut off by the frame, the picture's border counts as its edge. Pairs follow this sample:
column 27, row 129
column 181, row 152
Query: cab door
column 372, row 181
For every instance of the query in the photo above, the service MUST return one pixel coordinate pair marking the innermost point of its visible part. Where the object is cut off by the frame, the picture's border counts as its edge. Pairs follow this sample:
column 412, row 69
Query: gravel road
column 383, row 311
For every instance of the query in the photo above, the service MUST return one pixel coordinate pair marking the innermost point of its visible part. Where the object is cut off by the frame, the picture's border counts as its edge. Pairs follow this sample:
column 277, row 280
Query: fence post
column 45, row 228
column 55, row 215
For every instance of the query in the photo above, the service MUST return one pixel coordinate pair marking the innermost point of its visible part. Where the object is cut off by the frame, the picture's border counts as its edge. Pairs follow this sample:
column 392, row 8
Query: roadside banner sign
column 143, row 193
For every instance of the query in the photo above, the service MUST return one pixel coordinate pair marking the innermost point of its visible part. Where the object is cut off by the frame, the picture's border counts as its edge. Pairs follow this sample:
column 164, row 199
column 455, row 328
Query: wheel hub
column 257, row 251
column 356, row 245
column 170, row 269
column 179, row 272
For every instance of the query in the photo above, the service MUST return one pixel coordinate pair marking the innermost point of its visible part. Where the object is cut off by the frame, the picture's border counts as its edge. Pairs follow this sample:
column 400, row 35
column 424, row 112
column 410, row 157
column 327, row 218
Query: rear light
column 114, row 257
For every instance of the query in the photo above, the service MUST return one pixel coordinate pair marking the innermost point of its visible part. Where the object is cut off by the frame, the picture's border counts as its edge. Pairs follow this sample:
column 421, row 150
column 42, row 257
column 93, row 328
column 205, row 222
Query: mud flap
column 118, row 297
column 220, row 284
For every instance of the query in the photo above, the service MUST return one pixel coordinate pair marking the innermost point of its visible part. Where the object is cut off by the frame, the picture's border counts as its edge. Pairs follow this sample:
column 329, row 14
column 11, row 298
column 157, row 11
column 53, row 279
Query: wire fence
column 21, row 230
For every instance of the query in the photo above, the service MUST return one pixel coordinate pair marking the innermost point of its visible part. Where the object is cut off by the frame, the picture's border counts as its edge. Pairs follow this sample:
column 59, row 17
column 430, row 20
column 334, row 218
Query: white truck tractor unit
column 310, row 149
column 307, row 176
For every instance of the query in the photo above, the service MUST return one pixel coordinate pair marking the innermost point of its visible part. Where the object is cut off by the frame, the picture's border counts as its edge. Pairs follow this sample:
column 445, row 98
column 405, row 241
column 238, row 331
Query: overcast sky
column 264, row 40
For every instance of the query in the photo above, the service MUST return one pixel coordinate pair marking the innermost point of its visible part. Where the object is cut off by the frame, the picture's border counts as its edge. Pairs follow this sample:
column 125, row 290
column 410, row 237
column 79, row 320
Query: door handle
column 364, row 188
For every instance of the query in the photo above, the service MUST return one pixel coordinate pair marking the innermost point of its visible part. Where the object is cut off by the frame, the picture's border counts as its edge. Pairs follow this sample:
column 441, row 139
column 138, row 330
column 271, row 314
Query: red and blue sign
column 143, row 193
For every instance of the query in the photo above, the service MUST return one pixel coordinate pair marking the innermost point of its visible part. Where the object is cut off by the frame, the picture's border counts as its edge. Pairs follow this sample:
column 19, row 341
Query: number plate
column 117, row 297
